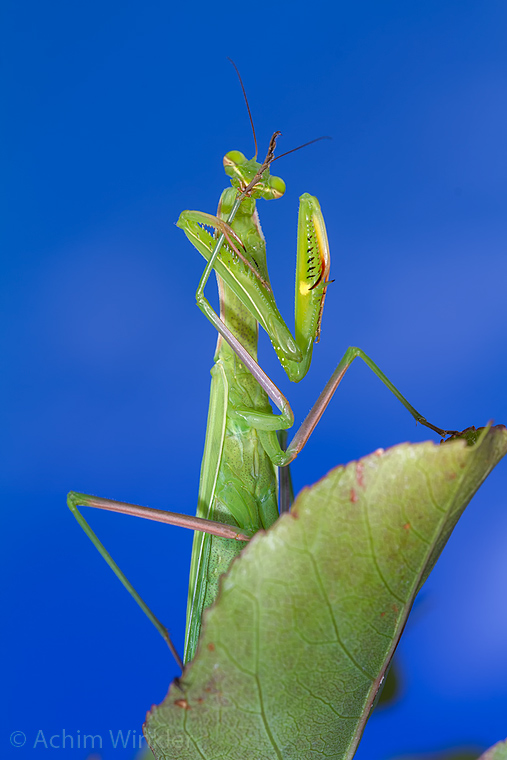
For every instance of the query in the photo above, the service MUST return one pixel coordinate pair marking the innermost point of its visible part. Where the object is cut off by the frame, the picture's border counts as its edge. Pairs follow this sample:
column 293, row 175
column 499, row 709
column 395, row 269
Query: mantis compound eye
column 233, row 158
column 277, row 186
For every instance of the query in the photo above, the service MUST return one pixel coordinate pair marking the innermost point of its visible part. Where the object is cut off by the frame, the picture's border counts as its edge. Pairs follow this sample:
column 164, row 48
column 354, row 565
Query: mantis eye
column 277, row 185
column 233, row 158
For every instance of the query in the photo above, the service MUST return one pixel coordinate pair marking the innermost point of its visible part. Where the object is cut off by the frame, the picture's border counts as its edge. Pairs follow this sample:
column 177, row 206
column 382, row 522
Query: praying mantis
column 245, row 481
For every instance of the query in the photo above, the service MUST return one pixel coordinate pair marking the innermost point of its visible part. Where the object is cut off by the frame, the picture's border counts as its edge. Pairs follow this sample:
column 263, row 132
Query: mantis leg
column 256, row 294
column 194, row 523
column 233, row 240
column 284, row 479
column 309, row 300
column 265, row 423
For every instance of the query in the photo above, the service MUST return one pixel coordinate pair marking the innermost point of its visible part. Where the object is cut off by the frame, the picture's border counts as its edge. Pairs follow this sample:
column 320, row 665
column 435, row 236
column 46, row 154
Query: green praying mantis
column 245, row 481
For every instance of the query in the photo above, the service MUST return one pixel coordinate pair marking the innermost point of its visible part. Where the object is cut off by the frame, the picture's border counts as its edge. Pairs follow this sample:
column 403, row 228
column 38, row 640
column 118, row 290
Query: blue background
column 115, row 118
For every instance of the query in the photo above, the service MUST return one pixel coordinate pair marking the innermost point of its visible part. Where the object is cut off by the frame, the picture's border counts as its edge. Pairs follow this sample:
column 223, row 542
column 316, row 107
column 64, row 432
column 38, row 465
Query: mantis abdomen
column 238, row 482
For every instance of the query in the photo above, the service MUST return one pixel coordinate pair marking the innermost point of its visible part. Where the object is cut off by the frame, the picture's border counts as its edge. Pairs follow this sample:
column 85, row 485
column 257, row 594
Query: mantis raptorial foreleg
column 266, row 423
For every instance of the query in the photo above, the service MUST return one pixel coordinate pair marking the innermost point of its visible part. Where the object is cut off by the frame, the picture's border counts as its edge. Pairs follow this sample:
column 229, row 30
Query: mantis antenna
column 247, row 105
column 272, row 158
column 304, row 145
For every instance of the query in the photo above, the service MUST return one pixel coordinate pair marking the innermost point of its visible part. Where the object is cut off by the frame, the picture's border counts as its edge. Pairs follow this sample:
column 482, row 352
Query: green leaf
column 308, row 617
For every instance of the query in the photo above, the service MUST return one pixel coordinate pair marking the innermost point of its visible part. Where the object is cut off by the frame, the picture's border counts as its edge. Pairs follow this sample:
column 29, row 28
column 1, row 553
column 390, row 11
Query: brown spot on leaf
column 353, row 496
column 395, row 608
column 451, row 476
column 359, row 474
column 407, row 526
column 182, row 703
column 211, row 647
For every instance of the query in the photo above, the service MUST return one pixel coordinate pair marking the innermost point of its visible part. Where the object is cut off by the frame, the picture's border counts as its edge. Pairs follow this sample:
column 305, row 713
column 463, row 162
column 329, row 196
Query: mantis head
column 243, row 171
